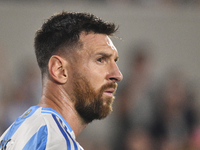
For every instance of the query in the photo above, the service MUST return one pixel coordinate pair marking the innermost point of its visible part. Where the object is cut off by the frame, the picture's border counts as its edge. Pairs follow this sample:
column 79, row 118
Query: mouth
column 110, row 92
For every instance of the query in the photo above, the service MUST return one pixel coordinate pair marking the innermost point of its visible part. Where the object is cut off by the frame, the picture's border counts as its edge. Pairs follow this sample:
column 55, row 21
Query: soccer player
column 79, row 77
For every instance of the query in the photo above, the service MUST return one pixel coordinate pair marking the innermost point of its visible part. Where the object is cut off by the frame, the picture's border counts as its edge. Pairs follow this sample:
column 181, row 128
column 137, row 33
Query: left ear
column 58, row 69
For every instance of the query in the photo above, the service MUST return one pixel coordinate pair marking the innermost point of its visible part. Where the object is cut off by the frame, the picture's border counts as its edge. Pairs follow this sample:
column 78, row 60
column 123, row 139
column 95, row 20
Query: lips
column 110, row 91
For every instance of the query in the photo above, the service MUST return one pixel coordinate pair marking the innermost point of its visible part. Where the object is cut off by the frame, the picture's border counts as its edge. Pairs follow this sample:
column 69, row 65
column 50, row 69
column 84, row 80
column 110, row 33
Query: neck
column 54, row 96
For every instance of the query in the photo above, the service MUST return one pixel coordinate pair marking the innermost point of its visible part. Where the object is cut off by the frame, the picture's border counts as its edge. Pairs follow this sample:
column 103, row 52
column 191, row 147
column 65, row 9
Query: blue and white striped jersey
column 39, row 129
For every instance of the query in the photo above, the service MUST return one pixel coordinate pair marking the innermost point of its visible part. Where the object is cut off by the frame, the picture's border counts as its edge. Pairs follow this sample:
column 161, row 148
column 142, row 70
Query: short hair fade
column 64, row 29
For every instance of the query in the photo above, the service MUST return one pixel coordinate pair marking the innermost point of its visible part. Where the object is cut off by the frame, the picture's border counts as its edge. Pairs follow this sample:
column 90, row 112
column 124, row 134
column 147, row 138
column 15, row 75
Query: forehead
column 93, row 42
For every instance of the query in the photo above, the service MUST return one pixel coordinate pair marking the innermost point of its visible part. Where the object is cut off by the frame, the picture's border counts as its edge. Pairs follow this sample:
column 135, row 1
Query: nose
column 114, row 74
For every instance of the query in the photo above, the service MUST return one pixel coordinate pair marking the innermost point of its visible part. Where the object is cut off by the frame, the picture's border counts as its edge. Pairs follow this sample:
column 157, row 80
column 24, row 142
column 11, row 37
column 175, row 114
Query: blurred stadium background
column 157, row 103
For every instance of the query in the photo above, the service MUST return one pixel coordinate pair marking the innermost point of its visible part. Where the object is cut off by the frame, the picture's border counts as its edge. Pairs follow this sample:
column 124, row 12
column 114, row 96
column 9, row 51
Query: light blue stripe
column 52, row 111
column 38, row 140
column 18, row 123
column 63, row 133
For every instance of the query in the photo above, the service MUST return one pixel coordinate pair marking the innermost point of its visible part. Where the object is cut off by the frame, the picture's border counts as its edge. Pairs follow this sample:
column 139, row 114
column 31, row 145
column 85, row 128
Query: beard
column 89, row 103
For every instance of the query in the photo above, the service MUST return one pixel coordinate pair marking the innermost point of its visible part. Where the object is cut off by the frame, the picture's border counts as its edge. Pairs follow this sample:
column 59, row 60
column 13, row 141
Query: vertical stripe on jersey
column 38, row 140
column 51, row 111
column 63, row 133
column 63, row 126
column 18, row 123
column 75, row 145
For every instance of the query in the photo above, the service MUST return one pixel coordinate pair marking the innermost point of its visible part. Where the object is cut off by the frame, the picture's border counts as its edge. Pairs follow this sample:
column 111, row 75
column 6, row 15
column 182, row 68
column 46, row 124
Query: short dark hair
column 63, row 30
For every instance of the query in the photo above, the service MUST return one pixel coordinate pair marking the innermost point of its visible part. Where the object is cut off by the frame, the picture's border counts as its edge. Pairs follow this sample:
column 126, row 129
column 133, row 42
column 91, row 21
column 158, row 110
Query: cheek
column 95, row 74
column 96, row 80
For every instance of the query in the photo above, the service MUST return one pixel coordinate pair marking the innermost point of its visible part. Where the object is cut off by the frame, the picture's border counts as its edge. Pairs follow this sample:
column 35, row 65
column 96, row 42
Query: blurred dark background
column 157, row 103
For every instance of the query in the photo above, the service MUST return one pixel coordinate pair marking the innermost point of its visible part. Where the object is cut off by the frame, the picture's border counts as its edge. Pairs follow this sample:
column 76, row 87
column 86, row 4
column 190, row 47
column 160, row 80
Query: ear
column 58, row 69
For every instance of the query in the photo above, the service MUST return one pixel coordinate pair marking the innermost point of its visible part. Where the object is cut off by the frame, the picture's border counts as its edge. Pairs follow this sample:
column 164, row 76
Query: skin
column 96, row 61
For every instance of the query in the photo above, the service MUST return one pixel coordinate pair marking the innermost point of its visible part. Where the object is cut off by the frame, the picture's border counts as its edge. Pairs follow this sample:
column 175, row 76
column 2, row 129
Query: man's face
column 95, row 77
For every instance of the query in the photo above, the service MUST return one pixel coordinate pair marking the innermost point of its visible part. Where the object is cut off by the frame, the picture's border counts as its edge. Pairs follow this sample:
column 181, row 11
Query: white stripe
column 51, row 112
column 24, row 133
column 69, row 136
column 55, row 138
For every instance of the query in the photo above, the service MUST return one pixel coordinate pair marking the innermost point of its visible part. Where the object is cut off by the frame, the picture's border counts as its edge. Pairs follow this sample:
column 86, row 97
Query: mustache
column 109, row 85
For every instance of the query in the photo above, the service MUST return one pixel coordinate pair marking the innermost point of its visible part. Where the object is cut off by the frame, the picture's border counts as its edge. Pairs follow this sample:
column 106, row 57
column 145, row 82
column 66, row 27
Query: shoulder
column 59, row 128
column 27, row 132
column 39, row 129
column 44, row 131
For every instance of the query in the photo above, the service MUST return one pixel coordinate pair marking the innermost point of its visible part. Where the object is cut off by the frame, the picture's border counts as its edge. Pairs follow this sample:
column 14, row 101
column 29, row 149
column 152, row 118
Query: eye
column 116, row 59
column 101, row 59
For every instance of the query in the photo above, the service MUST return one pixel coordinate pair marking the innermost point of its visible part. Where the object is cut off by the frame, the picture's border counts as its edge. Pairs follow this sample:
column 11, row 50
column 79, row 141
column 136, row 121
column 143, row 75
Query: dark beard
column 89, row 104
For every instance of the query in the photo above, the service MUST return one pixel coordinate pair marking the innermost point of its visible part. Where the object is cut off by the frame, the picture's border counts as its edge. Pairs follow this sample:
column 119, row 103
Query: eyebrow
column 108, row 55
